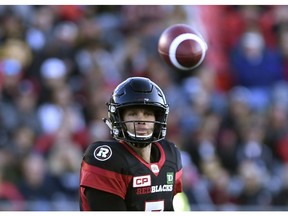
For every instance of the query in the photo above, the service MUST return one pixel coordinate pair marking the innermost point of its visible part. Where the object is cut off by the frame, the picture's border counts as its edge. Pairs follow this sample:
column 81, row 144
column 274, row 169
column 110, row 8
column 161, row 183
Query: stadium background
column 59, row 65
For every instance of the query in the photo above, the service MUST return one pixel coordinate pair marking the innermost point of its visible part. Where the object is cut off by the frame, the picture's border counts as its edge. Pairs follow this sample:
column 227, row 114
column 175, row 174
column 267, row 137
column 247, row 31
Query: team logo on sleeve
column 103, row 153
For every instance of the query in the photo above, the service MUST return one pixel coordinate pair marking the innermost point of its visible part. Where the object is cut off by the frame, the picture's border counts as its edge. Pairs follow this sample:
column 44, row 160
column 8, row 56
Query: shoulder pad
column 106, row 155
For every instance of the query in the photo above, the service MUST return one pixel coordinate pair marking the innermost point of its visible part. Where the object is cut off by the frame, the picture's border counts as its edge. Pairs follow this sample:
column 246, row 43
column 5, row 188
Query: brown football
column 182, row 47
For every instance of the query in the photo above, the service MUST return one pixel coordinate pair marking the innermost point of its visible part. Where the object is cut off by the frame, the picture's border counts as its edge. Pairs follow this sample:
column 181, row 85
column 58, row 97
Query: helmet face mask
column 137, row 92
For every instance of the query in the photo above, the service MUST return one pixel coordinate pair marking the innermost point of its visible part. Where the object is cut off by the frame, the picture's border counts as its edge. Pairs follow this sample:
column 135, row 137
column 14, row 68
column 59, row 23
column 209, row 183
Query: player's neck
column 144, row 153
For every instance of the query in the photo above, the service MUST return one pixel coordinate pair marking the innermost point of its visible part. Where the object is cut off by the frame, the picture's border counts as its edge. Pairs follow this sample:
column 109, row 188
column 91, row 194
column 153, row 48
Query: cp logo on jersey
column 141, row 181
column 103, row 153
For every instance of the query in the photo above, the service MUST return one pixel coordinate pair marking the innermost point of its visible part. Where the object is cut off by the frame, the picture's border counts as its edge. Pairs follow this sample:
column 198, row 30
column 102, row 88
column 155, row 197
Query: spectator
column 254, row 195
column 253, row 147
column 64, row 161
column 36, row 184
column 280, row 199
column 62, row 113
column 11, row 198
column 255, row 66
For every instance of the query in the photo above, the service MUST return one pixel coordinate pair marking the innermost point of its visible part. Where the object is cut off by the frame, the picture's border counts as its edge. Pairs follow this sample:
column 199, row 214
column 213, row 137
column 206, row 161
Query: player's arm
column 103, row 201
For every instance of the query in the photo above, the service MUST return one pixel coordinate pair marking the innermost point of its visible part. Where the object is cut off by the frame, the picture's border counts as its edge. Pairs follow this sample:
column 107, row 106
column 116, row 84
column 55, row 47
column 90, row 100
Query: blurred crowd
column 60, row 63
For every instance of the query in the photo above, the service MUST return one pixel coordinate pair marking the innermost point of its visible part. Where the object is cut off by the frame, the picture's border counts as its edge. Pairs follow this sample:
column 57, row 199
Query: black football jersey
column 114, row 167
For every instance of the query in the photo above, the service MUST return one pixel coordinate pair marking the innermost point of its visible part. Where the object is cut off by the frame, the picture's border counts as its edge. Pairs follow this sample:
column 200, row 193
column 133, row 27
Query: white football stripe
column 175, row 43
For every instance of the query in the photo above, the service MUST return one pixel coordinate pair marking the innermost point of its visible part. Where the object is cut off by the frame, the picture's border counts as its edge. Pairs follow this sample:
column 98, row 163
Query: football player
column 138, row 170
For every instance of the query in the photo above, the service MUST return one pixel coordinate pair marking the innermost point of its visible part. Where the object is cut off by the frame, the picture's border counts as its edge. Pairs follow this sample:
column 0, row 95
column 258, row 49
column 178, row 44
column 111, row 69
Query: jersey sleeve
column 101, row 169
column 178, row 180
column 101, row 201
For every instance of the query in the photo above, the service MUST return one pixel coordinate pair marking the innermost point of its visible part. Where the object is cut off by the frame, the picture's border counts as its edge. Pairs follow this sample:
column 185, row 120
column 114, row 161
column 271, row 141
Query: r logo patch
column 103, row 153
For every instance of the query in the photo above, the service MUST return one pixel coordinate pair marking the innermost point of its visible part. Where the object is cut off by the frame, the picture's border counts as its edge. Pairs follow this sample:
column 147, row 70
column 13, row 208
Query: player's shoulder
column 168, row 145
column 171, row 150
column 105, row 154
column 101, row 144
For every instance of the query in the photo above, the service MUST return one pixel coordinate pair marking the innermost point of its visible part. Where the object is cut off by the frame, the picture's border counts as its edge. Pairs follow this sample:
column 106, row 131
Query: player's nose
column 141, row 118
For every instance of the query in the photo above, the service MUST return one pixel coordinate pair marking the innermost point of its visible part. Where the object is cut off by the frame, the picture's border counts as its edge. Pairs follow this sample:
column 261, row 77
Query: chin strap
column 139, row 136
column 107, row 122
